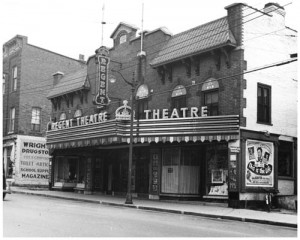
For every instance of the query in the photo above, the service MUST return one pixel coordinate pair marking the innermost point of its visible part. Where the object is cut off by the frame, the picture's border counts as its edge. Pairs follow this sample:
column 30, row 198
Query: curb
column 241, row 219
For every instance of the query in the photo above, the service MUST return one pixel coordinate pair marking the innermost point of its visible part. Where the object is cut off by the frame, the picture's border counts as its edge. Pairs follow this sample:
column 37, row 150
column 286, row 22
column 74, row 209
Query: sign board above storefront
column 176, row 113
column 123, row 113
column 81, row 121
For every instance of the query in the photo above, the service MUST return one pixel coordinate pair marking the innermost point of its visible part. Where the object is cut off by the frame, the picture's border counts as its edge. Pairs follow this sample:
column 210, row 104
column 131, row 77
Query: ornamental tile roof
column 194, row 41
column 70, row 83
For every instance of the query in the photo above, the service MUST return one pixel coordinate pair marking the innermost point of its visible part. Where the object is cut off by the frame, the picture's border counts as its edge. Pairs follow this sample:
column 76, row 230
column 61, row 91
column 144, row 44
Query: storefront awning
column 219, row 128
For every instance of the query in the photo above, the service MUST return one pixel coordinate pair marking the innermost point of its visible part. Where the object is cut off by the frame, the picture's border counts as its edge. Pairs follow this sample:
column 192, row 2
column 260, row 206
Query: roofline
column 17, row 36
column 167, row 32
column 192, row 54
column 202, row 25
column 126, row 24
column 77, row 60
column 60, row 94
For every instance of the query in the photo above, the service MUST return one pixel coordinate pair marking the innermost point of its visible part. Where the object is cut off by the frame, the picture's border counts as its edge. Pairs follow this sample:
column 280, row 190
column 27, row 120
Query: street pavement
column 195, row 208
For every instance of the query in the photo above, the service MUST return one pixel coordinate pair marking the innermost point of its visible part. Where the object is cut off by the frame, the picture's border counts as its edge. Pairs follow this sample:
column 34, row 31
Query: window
column 123, row 38
column 211, row 100
column 62, row 116
column 78, row 113
column 14, row 79
column 285, row 159
column 263, row 104
column 210, row 89
column 3, row 83
column 179, row 98
column 12, row 120
column 36, row 119
column 142, row 100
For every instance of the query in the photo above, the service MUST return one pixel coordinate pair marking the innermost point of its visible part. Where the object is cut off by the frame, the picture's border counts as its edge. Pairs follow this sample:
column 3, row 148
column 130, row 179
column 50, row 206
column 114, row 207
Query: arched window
column 179, row 98
column 210, row 89
column 78, row 113
column 142, row 100
column 62, row 116
column 123, row 38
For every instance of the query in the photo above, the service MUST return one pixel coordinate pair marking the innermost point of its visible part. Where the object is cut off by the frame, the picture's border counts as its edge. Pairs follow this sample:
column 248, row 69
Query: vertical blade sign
column 102, row 60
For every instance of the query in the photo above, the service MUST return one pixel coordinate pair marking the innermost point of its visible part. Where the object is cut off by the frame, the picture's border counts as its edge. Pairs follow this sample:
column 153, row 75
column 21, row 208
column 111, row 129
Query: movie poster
column 259, row 164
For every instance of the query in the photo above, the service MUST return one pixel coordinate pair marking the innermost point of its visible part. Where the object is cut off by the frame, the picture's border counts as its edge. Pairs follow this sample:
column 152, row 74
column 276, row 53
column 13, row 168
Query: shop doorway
column 99, row 175
column 142, row 173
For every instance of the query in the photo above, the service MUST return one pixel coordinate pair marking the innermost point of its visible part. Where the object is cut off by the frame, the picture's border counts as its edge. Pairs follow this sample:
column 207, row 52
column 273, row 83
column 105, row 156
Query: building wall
column 35, row 69
column 160, row 91
column 38, row 65
column 266, row 41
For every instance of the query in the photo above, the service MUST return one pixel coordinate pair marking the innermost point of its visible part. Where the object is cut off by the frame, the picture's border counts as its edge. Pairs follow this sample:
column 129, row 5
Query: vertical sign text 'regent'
column 102, row 61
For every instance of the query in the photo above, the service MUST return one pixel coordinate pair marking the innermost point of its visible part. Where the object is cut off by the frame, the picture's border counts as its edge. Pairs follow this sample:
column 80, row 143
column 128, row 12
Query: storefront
column 172, row 157
column 26, row 160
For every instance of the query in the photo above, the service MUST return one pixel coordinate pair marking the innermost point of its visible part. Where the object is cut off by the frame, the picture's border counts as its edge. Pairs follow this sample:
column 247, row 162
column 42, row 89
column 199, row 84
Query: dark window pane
column 285, row 159
column 264, row 104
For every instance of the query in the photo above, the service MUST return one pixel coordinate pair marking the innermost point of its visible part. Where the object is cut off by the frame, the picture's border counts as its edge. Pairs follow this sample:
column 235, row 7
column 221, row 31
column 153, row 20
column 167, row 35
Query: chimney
column 56, row 77
column 277, row 12
column 274, row 8
column 81, row 57
column 235, row 20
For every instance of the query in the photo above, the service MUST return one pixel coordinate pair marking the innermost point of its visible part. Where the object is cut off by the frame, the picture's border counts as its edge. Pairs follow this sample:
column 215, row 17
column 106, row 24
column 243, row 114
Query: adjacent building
column 215, row 113
column 27, row 79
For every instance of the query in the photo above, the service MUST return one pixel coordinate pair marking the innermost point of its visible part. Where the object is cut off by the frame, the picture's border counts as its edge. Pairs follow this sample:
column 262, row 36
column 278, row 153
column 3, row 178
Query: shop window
column 171, row 157
column 181, row 171
column 12, row 120
column 14, row 78
column 66, row 169
column 189, row 157
column 210, row 89
column 179, row 98
column 81, row 171
column 285, row 159
column 263, row 104
column 142, row 100
column 217, row 169
column 36, row 119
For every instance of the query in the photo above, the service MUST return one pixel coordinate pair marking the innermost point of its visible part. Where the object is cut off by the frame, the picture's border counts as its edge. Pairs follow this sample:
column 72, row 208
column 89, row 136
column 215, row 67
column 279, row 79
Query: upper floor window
column 179, row 98
column 12, row 119
column 263, row 104
column 78, row 113
column 3, row 83
column 123, row 38
column 14, row 79
column 36, row 119
column 142, row 100
column 210, row 89
column 62, row 116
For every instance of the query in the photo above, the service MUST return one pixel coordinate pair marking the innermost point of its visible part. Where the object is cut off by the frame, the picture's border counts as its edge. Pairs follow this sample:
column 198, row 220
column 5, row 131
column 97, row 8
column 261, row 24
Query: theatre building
column 205, row 126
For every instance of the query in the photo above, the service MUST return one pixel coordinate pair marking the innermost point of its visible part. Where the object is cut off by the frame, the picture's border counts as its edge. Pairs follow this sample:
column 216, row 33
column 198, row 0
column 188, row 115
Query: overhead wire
column 180, row 42
column 124, row 68
column 275, row 64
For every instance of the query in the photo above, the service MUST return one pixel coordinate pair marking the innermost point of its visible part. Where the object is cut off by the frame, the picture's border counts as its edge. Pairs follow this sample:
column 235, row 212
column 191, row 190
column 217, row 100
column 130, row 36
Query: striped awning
column 201, row 129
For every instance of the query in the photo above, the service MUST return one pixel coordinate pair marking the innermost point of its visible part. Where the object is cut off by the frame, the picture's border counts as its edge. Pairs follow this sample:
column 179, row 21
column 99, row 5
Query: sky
column 73, row 27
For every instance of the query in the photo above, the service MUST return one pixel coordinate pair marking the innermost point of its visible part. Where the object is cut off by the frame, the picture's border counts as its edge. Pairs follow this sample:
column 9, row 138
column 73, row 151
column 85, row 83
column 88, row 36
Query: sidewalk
column 204, row 209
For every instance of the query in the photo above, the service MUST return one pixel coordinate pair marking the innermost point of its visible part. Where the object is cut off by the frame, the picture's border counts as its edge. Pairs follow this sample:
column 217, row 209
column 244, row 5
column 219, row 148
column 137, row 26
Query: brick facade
column 35, row 68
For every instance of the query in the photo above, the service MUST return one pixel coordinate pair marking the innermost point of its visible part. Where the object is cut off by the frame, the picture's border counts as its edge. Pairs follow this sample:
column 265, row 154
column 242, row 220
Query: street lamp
column 132, row 84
